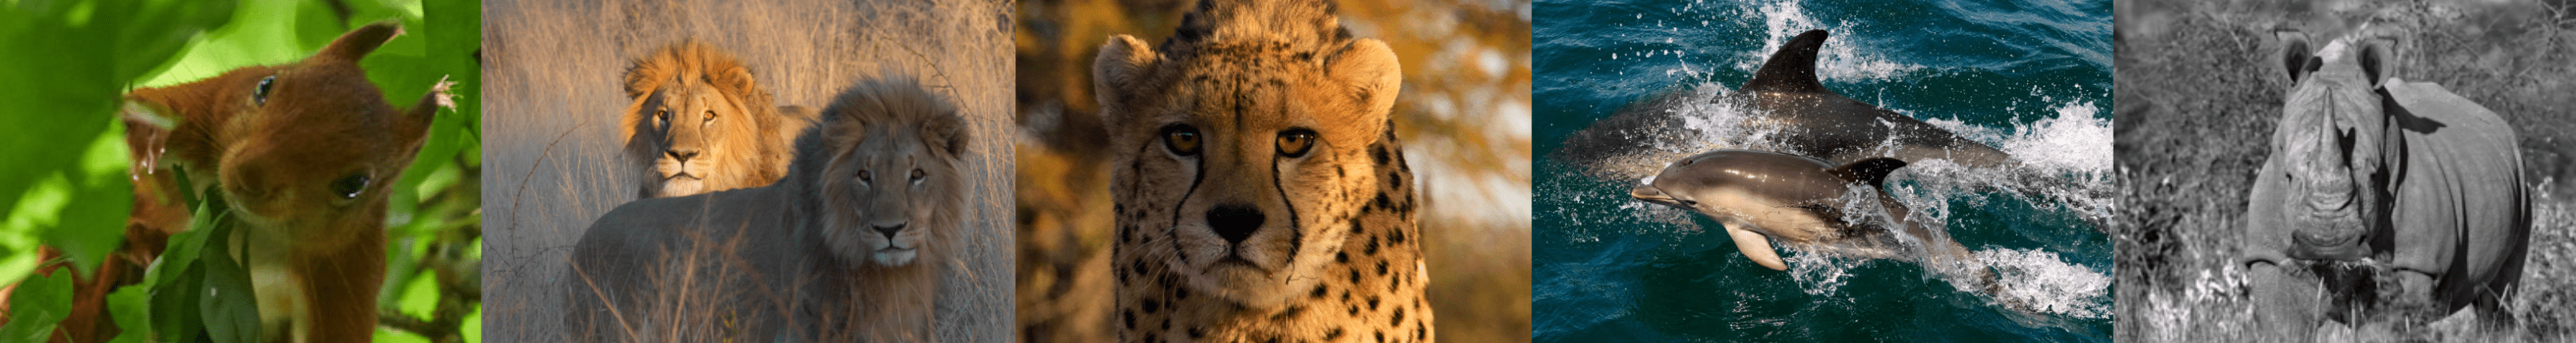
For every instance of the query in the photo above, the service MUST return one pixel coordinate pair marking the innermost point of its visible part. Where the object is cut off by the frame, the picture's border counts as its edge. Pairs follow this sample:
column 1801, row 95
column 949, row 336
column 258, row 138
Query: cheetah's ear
column 1373, row 76
column 1122, row 61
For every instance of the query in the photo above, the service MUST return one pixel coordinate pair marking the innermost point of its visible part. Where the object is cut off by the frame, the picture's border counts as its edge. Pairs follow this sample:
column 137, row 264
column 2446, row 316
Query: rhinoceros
column 2375, row 178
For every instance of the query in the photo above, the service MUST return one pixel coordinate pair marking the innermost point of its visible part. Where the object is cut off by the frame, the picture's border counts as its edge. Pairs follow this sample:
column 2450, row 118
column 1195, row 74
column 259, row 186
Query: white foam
column 2073, row 141
column 2042, row 282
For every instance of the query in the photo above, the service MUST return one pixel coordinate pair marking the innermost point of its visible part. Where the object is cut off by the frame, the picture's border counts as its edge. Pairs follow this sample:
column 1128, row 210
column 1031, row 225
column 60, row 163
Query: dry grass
column 1464, row 119
column 553, row 94
column 2185, row 161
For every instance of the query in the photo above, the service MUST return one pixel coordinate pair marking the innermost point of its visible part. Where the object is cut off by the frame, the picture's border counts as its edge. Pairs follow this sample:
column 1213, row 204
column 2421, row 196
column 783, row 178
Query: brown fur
column 1286, row 213
column 802, row 254
column 690, row 83
column 280, row 158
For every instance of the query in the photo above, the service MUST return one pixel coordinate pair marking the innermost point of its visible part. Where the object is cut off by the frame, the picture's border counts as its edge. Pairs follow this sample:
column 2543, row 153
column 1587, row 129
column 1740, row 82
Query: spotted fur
column 1261, row 194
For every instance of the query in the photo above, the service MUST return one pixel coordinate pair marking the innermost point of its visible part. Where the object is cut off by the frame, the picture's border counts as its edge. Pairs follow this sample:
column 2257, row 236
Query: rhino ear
column 2296, row 58
column 2378, row 59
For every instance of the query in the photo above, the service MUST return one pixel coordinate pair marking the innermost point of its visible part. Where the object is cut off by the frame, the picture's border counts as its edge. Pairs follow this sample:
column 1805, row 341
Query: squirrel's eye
column 259, row 96
column 348, row 187
column 1182, row 139
column 1295, row 142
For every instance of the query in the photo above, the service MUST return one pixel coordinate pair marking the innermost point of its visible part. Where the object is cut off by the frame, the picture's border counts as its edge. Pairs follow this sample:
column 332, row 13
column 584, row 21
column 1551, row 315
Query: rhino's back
column 2460, row 207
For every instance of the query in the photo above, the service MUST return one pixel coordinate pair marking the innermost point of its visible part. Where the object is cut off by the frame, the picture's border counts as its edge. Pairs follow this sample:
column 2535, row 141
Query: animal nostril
column 1234, row 222
column 682, row 154
column 889, row 231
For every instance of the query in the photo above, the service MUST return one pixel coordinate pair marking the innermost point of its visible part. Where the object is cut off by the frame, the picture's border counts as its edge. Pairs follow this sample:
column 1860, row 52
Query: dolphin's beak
column 1651, row 194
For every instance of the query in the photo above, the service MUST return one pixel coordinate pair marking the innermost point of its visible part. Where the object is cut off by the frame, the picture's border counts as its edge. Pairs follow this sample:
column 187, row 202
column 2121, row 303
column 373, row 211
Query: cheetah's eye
column 1182, row 139
column 348, row 187
column 1295, row 142
column 259, row 96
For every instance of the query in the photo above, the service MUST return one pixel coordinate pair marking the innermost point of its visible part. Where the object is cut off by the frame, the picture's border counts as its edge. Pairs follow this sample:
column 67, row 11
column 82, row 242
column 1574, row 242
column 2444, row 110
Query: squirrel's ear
column 357, row 43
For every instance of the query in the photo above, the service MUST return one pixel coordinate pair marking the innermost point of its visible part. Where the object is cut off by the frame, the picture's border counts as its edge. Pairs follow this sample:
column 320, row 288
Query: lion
column 698, row 121
column 847, row 245
column 305, row 155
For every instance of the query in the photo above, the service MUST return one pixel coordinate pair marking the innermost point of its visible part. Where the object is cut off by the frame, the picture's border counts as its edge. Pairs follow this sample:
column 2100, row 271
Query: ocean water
column 2030, row 77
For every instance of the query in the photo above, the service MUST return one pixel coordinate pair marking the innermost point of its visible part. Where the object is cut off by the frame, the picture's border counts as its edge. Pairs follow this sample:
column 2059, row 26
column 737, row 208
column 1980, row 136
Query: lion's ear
column 357, row 43
column 947, row 133
column 736, row 79
column 1122, row 62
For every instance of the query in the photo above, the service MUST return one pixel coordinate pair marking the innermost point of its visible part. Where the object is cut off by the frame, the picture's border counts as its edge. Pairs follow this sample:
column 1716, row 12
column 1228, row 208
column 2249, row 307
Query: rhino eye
column 259, row 96
column 348, row 187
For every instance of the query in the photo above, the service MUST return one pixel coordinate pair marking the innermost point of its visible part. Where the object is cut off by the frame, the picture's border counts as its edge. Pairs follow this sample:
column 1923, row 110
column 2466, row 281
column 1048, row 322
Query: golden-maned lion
column 699, row 123
column 846, row 246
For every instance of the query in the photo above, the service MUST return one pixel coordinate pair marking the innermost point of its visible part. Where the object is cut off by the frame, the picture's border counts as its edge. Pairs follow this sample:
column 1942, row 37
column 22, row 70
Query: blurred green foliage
column 64, row 66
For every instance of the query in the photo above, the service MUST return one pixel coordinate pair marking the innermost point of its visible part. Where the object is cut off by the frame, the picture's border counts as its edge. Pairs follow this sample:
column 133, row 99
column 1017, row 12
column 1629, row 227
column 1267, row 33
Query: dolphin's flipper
column 1870, row 171
column 1755, row 246
column 1792, row 69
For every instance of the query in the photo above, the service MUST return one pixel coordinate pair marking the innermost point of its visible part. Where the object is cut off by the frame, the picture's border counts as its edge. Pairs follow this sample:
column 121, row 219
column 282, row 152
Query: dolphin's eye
column 1689, row 202
column 348, row 187
column 1182, row 139
column 259, row 96
column 1295, row 142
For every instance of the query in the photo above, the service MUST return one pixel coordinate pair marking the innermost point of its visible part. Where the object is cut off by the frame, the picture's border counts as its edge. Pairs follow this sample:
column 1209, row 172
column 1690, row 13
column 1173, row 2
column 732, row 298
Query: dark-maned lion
column 700, row 123
column 846, row 246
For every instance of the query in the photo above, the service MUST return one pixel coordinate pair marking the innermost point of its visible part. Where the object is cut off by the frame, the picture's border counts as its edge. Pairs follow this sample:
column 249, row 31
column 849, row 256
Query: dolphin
column 1766, row 196
column 1837, row 128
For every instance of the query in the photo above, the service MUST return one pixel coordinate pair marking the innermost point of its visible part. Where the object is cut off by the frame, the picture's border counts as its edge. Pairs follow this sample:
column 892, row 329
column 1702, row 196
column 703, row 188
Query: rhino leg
column 2285, row 305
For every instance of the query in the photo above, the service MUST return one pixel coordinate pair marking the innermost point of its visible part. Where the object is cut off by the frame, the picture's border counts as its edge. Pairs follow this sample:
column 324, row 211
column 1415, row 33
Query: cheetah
column 1261, row 195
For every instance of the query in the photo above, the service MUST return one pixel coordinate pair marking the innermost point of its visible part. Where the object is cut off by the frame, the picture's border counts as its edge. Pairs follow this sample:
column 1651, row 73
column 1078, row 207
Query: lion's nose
column 889, row 230
column 682, row 154
column 1234, row 222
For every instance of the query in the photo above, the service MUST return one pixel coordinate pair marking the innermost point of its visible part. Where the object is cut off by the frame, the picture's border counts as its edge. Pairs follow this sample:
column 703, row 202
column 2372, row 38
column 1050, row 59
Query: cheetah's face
column 1243, row 165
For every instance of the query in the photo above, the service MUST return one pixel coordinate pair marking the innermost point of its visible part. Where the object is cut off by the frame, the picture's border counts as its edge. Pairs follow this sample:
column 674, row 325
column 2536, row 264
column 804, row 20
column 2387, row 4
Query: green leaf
column 39, row 303
column 131, row 307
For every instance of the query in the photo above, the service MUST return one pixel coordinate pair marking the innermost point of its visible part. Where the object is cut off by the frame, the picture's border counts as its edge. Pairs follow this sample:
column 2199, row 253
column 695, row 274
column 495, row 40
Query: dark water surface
column 2030, row 77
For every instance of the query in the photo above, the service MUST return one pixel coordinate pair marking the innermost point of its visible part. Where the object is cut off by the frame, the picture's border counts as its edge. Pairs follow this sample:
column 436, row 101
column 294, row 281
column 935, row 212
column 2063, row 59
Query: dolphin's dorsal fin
column 1793, row 68
column 1868, row 171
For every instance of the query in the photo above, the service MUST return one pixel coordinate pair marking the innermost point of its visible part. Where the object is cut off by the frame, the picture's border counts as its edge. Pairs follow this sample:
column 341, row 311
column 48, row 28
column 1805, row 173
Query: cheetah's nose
column 1234, row 222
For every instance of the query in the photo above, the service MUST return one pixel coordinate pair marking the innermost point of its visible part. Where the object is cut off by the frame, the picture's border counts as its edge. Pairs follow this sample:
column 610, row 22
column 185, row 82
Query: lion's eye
column 259, row 96
column 865, row 177
column 917, row 175
column 711, row 117
column 662, row 117
column 348, row 187
column 1295, row 142
column 1181, row 139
